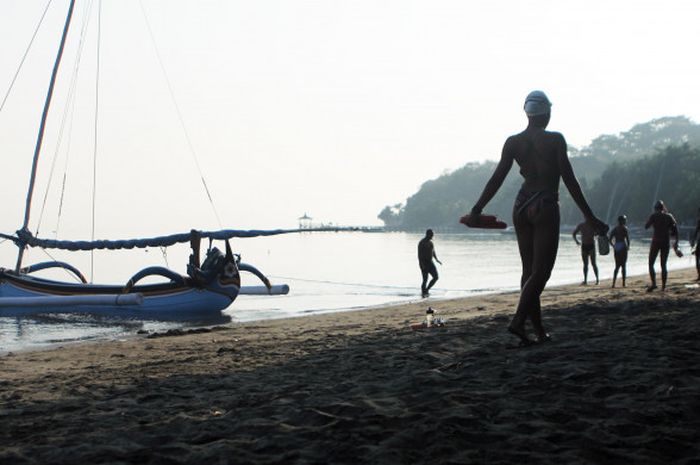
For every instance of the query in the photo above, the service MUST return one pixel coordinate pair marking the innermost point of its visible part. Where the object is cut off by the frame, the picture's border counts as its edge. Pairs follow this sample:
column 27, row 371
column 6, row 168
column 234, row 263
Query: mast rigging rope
column 179, row 115
column 24, row 57
column 95, row 146
column 68, row 114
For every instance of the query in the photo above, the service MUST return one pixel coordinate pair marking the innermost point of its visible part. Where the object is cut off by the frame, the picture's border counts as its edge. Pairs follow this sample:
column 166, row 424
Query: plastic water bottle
column 429, row 316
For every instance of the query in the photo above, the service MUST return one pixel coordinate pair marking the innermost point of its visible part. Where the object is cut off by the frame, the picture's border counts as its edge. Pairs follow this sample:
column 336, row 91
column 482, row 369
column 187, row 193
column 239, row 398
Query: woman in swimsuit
column 620, row 240
column 664, row 225
column 543, row 161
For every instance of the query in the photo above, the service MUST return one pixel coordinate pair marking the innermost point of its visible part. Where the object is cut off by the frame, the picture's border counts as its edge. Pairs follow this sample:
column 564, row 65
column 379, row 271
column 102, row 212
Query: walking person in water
column 664, row 226
column 587, row 249
column 426, row 253
column 620, row 240
column 543, row 161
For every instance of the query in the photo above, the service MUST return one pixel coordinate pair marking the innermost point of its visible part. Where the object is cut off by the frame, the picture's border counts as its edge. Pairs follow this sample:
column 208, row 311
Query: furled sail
column 26, row 238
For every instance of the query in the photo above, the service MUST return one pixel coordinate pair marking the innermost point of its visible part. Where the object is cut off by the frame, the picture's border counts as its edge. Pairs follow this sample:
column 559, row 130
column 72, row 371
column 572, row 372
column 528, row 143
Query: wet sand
column 619, row 383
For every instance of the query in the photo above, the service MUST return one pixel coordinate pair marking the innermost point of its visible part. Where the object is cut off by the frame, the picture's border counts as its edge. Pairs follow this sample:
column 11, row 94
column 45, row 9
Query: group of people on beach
column 543, row 161
column 664, row 228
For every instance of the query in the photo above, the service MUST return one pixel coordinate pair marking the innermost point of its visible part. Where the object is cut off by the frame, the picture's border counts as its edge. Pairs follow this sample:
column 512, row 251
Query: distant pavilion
column 305, row 221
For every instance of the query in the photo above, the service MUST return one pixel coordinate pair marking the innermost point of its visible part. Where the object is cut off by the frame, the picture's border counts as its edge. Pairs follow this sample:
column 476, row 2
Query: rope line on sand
column 375, row 286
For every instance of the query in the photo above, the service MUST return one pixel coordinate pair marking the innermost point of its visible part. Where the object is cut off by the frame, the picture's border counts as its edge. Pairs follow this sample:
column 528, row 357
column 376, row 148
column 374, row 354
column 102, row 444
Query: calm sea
column 330, row 272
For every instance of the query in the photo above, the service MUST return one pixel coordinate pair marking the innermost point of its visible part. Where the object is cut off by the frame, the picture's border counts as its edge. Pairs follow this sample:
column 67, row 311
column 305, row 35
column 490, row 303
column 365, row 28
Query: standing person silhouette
column 587, row 249
column 426, row 253
column 664, row 226
column 543, row 161
column 694, row 239
column 620, row 240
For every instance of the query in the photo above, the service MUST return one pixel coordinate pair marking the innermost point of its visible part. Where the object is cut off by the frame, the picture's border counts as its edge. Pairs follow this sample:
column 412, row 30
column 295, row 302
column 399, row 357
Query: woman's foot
column 651, row 287
column 520, row 332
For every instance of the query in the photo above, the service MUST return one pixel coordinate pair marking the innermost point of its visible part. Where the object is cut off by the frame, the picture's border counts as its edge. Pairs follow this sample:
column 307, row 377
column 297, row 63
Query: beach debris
column 431, row 320
column 222, row 350
column 429, row 316
column 216, row 412
column 180, row 332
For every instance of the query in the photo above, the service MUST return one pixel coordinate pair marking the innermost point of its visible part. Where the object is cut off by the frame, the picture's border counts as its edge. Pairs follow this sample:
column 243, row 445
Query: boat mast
column 40, row 136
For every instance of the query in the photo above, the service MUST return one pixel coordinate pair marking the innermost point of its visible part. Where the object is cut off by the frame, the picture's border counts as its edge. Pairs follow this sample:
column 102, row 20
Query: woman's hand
column 474, row 219
column 600, row 228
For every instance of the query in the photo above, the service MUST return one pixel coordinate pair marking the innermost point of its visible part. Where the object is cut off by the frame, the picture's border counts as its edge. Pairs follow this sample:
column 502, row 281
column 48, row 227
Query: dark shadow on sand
column 620, row 383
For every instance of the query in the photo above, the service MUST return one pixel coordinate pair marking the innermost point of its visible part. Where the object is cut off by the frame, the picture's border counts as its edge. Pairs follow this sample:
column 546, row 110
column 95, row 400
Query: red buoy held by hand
column 485, row 222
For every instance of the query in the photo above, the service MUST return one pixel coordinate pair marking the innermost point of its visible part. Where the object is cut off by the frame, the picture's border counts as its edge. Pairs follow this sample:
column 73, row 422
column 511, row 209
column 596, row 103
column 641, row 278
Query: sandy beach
column 619, row 383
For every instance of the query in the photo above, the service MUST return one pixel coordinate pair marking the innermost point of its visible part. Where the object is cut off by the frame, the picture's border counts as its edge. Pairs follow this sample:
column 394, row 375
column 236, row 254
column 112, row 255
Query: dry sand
column 620, row 383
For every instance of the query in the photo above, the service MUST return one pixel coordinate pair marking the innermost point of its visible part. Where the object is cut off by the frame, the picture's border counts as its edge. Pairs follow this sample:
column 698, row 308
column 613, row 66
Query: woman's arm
column 496, row 181
column 572, row 184
column 674, row 230
column 573, row 234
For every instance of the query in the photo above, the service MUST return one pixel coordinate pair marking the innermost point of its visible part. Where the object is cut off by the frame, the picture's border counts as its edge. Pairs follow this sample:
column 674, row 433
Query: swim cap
column 537, row 103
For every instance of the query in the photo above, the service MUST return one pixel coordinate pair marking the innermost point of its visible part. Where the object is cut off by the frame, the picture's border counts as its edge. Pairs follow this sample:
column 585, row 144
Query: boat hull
column 160, row 301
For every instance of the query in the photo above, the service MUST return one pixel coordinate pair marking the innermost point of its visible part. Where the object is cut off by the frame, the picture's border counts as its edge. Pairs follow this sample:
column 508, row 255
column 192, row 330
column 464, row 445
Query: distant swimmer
column 543, row 161
column 587, row 249
column 426, row 253
column 620, row 240
column 694, row 239
column 664, row 226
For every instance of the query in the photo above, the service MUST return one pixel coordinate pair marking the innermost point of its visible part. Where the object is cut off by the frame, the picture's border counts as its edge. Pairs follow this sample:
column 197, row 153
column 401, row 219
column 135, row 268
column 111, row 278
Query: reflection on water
column 330, row 272
column 41, row 331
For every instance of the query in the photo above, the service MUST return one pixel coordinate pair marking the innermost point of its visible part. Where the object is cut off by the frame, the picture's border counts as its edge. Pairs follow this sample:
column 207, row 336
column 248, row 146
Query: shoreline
column 618, row 384
column 398, row 305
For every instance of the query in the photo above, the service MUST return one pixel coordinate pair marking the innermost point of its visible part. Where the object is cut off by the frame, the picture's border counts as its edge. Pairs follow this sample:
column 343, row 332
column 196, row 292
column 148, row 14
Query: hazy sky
column 335, row 108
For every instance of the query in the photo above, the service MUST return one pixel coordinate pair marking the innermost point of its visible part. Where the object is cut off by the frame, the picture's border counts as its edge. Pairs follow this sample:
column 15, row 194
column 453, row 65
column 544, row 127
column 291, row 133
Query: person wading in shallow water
column 620, row 240
column 664, row 226
column 587, row 249
column 543, row 161
column 426, row 253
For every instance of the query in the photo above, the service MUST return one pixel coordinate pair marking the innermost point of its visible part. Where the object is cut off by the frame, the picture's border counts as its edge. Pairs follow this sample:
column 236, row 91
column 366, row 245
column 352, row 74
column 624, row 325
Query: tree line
column 620, row 174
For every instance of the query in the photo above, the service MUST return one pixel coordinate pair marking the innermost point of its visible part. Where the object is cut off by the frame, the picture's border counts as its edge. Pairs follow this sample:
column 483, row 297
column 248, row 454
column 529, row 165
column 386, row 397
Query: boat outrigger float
column 207, row 289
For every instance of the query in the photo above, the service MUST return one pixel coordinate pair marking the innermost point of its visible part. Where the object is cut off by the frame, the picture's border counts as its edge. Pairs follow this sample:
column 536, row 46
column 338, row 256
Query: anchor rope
column 373, row 286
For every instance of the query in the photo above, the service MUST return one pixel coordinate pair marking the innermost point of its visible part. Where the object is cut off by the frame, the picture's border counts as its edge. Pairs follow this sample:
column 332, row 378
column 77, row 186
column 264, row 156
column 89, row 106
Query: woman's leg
column 624, row 266
column 584, row 258
column 524, row 232
column 664, row 271
column 545, row 242
column 653, row 252
column 617, row 267
column 594, row 265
